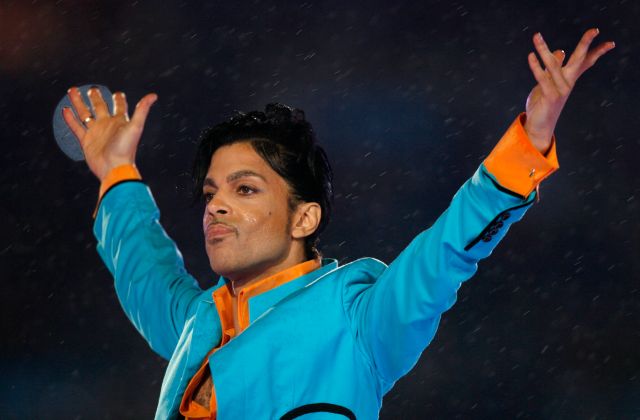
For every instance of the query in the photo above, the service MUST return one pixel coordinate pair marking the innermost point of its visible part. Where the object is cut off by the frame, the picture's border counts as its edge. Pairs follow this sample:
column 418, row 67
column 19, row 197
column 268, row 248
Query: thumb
column 559, row 55
column 142, row 109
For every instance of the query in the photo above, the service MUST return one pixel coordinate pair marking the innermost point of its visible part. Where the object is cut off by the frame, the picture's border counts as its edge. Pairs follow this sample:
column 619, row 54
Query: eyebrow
column 235, row 176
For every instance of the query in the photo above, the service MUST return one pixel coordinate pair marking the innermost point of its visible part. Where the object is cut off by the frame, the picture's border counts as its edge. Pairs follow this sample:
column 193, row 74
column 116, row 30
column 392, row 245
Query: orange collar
column 280, row 278
column 223, row 296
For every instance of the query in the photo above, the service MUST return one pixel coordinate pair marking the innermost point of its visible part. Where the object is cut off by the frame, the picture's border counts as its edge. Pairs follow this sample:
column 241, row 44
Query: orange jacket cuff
column 118, row 174
column 516, row 164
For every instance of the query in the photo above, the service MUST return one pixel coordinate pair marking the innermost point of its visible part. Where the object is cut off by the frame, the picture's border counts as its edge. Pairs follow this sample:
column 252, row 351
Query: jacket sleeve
column 395, row 316
column 155, row 291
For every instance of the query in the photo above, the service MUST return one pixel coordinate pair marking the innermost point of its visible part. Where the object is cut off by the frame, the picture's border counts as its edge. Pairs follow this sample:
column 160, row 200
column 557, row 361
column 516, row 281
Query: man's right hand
column 107, row 140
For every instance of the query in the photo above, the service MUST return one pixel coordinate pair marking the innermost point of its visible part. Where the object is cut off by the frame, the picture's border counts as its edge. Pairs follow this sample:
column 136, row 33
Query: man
column 285, row 333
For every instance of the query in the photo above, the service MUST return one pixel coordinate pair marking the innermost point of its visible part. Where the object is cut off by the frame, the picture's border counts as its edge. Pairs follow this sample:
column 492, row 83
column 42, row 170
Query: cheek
column 265, row 224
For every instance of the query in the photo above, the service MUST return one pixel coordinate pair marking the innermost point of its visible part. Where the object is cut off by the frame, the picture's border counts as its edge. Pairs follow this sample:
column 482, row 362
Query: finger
column 120, row 105
column 97, row 102
column 542, row 77
column 142, row 109
column 582, row 48
column 596, row 53
column 78, row 104
column 551, row 64
column 76, row 128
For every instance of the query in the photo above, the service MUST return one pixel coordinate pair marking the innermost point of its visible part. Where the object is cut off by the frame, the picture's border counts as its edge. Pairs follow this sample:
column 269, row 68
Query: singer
column 286, row 332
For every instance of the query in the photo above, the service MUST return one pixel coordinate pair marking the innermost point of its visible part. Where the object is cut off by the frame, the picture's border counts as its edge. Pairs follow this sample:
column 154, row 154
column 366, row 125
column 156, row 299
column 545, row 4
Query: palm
column 107, row 140
column 540, row 114
column 533, row 100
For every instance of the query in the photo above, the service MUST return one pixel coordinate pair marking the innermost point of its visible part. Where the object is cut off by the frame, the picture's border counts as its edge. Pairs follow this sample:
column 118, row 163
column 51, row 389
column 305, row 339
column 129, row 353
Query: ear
column 306, row 219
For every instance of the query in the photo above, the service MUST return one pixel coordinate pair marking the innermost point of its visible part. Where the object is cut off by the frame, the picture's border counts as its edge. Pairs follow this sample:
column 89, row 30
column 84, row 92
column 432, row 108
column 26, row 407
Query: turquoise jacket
column 340, row 335
column 330, row 343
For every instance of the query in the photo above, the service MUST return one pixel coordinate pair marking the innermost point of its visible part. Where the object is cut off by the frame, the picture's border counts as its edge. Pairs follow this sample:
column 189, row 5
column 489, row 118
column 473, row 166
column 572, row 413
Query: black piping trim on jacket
column 115, row 185
column 477, row 239
column 503, row 189
column 319, row 408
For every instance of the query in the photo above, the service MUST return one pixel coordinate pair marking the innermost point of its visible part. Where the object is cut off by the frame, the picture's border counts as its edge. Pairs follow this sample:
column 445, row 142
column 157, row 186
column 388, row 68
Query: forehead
column 236, row 154
column 237, row 157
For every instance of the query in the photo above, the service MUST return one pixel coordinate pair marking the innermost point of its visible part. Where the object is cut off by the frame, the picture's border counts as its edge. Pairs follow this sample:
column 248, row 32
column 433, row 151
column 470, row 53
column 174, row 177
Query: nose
column 217, row 205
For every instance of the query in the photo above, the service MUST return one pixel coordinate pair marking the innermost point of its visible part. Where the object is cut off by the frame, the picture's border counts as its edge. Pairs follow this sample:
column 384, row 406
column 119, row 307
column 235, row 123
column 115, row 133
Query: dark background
column 408, row 98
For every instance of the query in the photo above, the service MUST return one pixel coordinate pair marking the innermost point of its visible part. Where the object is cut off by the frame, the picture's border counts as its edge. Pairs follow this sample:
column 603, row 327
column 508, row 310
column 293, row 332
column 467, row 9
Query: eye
column 207, row 196
column 246, row 190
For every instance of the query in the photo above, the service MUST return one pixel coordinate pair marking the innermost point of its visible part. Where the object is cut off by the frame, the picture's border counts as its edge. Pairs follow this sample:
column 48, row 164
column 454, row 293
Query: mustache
column 219, row 222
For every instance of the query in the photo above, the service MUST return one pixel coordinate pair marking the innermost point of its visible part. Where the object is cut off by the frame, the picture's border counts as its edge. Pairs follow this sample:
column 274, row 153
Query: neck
column 242, row 281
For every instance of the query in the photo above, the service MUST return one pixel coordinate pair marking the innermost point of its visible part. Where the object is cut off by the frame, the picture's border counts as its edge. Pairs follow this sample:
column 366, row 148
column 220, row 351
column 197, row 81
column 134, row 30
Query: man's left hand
column 555, row 82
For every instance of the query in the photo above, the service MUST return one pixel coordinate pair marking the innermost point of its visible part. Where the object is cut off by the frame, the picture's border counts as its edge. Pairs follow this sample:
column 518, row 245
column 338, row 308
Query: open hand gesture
column 107, row 140
column 546, row 100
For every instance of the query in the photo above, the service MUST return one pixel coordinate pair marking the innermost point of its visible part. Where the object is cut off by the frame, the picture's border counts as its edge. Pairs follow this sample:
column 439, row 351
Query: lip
column 217, row 230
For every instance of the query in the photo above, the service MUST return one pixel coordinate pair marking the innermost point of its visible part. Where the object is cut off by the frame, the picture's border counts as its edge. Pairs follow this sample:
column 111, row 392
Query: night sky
column 407, row 98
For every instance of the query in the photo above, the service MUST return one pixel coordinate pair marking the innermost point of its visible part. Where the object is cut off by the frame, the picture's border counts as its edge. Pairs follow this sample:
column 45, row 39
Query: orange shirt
column 223, row 298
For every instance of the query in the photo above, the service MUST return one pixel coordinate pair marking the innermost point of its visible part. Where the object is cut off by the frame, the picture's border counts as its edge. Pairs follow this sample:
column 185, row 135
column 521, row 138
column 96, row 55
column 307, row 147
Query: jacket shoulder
column 356, row 271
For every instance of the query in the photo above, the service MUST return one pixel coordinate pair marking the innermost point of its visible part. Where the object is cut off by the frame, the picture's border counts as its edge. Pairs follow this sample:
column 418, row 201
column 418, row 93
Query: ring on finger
column 88, row 120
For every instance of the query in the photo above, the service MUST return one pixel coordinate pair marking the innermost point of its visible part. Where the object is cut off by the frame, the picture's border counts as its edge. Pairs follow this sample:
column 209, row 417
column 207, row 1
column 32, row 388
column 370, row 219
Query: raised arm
column 156, row 292
column 395, row 316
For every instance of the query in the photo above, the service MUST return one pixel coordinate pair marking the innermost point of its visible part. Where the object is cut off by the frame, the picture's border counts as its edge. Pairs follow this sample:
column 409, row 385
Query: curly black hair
column 286, row 141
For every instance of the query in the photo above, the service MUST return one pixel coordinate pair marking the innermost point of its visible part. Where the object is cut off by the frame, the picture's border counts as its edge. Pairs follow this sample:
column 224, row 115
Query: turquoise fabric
column 340, row 335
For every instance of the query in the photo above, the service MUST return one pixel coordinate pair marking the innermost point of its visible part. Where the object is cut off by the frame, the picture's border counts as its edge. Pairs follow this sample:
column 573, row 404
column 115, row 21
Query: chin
column 219, row 261
column 225, row 264
column 223, row 270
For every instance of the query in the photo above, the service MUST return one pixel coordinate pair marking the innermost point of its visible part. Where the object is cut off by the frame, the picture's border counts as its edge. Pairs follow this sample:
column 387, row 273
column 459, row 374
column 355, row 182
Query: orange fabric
column 190, row 409
column 516, row 164
column 115, row 175
column 223, row 298
column 269, row 283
